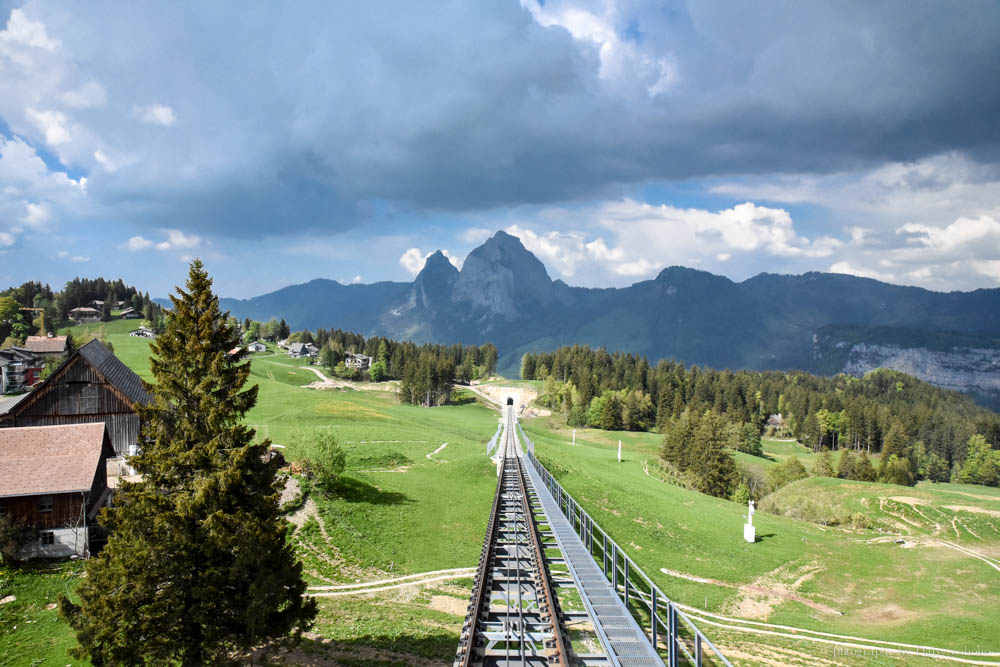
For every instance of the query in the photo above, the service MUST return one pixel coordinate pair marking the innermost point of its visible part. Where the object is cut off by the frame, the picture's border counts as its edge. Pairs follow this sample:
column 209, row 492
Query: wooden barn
column 92, row 385
column 53, row 478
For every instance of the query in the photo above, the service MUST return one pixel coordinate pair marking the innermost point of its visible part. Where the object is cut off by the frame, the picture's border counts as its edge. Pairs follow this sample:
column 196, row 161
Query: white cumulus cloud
column 413, row 260
column 138, row 243
column 155, row 114
column 53, row 124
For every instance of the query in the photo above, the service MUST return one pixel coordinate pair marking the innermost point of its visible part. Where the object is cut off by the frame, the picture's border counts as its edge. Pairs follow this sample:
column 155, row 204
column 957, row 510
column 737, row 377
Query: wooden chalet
column 92, row 385
column 130, row 314
column 85, row 314
column 54, row 479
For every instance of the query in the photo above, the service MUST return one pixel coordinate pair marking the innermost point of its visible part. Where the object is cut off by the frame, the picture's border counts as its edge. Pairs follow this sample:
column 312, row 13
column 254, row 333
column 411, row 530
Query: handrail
column 654, row 601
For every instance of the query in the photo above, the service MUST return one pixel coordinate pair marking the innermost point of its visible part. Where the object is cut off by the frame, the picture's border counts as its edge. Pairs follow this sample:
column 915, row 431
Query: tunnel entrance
column 510, row 401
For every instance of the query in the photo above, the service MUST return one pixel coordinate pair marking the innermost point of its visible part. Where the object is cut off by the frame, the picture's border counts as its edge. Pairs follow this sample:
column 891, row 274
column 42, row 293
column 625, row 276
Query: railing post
column 652, row 614
column 604, row 554
column 625, row 561
column 672, row 642
column 614, row 567
column 697, row 649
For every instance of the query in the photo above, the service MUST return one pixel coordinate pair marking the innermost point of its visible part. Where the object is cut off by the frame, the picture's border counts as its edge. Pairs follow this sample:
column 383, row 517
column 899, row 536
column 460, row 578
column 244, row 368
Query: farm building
column 256, row 346
column 130, row 314
column 299, row 350
column 142, row 332
column 93, row 385
column 54, row 479
column 48, row 346
column 85, row 314
column 359, row 362
column 19, row 369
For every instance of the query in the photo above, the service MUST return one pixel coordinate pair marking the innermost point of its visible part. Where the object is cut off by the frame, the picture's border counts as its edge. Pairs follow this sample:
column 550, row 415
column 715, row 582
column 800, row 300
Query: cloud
column 413, row 260
column 356, row 280
column 155, row 114
column 22, row 33
column 138, row 243
column 6, row 240
column 78, row 258
column 52, row 124
column 88, row 96
column 37, row 214
column 176, row 240
column 474, row 235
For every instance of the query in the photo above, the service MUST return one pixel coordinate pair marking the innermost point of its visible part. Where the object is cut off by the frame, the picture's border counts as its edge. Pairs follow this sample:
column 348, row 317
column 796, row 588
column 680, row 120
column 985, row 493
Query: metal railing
column 654, row 611
column 493, row 441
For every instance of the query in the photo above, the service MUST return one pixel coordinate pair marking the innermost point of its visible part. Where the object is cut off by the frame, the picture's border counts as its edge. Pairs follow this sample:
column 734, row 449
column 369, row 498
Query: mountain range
column 819, row 322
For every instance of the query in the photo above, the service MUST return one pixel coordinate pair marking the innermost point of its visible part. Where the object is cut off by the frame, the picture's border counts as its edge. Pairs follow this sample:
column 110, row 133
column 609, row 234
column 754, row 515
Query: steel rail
column 521, row 514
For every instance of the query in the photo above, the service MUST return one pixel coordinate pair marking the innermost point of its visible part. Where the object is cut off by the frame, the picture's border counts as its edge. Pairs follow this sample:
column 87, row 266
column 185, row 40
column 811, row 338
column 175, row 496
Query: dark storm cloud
column 306, row 115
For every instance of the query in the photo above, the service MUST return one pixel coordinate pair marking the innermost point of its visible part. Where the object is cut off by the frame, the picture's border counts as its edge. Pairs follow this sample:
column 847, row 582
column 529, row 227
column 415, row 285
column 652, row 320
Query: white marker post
column 749, row 532
column 619, row 451
column 574, row 437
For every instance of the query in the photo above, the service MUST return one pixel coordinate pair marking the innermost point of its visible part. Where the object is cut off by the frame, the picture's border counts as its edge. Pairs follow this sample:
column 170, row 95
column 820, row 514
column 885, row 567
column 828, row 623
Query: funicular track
column 513, row 616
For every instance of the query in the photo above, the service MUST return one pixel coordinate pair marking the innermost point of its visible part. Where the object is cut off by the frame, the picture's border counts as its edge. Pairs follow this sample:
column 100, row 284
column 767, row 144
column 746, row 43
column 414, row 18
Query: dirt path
column 431, row 455
column 391, row 584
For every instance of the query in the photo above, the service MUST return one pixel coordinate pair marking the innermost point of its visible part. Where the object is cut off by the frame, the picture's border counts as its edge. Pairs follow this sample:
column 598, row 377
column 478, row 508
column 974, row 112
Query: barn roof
column 45, row 343
column 8, row 402
column 116, row 372
column 36, row 460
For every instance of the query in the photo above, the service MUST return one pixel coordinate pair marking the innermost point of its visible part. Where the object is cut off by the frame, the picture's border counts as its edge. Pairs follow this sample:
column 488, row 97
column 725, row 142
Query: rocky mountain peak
column 503, row 278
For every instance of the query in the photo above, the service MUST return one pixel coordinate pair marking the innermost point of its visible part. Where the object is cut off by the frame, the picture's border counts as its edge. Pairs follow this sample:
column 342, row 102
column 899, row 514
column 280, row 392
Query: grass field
column 417, row 492
column 833, row 579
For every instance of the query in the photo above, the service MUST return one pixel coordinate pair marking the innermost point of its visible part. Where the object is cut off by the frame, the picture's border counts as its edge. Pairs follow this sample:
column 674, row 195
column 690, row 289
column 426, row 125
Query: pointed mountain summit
column 432, row 286
column 502, row 278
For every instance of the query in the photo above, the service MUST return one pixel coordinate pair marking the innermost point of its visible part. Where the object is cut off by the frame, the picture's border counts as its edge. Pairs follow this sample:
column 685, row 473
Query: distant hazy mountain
column 825, row 323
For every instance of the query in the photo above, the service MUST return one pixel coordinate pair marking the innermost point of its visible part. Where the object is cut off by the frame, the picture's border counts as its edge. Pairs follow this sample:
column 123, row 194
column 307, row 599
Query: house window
column 46, row 504
column 48, row 537
column 3, row 510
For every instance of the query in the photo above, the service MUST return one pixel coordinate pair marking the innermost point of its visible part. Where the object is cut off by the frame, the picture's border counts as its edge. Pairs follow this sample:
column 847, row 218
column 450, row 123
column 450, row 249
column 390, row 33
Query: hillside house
column 20, row 369
column 257, row 346
column 130, row 314
column 54, row 478
column 97, row 304
column 300, row 350
column 85, row 314
column 142, row 332
column 48, row 346
column 92, row 385
column 358, row 362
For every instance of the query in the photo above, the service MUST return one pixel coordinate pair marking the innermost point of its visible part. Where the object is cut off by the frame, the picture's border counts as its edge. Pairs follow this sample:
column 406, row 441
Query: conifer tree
column 824, row 464
column 197, row 569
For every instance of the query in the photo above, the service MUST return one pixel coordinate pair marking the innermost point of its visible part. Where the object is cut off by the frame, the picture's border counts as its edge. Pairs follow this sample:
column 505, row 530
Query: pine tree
column 197, row 568
column 712, row 469
column 824, row 464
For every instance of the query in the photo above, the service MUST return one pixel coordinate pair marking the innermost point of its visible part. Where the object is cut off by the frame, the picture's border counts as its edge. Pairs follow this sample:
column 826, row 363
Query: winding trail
column 379, row 585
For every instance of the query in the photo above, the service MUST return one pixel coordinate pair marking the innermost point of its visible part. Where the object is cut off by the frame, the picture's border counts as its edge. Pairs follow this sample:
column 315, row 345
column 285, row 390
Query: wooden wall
column 79, row 396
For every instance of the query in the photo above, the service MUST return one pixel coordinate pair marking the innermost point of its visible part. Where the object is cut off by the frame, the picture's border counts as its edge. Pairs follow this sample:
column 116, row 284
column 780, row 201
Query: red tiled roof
column 45, row 344
column 35, row 460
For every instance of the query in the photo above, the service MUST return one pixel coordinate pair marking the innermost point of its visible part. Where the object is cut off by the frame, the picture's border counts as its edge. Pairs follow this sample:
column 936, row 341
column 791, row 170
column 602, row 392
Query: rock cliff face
column 969, row 370
column 502, row 279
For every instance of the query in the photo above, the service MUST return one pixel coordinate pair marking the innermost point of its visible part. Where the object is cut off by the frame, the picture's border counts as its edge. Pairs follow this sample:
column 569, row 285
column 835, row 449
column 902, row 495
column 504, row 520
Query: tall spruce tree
column 197, row 568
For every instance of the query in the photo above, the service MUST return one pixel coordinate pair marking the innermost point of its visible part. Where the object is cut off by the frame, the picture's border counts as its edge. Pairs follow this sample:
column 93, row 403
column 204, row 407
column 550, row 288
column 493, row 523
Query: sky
column 282, row 142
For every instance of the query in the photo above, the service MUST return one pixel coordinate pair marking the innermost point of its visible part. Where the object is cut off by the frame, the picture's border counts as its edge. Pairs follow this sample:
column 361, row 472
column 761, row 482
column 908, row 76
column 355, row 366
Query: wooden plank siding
column 77, row 393
column 67, row 510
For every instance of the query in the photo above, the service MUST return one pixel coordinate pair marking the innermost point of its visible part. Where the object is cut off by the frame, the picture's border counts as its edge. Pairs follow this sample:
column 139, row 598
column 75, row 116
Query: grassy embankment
column 398, row 512
column 829, row 578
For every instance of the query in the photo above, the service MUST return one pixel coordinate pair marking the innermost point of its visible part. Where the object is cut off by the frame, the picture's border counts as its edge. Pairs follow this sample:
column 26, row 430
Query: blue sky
column 282, row 142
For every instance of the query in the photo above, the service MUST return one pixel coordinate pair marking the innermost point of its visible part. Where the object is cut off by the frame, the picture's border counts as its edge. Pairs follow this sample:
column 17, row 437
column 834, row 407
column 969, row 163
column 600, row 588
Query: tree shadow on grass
column 356, row 491
column 376, row 650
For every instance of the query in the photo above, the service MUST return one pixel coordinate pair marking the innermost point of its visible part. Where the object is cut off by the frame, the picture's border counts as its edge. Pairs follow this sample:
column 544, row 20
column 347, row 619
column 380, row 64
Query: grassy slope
column 385, row 523
column 920, row 595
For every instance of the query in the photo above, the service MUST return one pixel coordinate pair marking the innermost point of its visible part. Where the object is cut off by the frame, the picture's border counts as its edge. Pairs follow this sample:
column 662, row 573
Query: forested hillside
column 885, row 412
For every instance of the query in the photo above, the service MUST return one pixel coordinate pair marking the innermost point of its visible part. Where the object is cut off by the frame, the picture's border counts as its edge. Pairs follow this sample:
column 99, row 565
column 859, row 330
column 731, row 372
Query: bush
column 324, row 461
column 13, row 536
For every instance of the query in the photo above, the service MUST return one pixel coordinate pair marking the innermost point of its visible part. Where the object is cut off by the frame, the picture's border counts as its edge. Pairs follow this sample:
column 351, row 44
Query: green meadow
column 832, row 578
column 867, row 560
